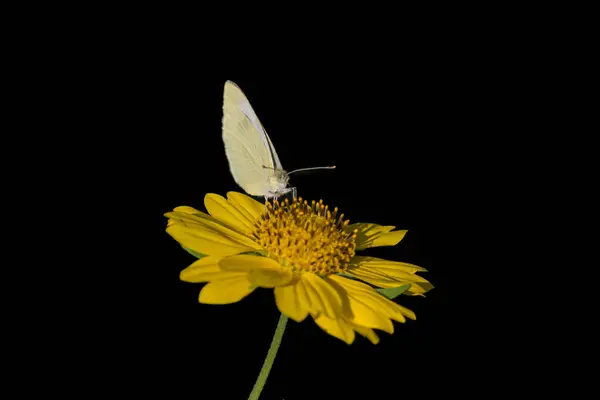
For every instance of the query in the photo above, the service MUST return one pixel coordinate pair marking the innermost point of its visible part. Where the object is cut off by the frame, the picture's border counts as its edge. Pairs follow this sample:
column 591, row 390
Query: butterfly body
column 252, row 158
column 253, row 161
column 277, row 183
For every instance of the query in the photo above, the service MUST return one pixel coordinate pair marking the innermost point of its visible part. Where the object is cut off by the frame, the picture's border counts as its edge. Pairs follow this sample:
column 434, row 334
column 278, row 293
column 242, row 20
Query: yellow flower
column 305, row 252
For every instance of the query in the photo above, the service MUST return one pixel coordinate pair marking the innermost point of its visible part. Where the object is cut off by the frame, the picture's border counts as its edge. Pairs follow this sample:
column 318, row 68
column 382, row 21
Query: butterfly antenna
column 310, row 169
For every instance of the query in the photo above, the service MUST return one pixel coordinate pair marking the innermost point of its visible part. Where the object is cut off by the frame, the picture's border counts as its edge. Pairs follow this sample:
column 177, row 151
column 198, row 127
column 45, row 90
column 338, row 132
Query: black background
column 121, row 122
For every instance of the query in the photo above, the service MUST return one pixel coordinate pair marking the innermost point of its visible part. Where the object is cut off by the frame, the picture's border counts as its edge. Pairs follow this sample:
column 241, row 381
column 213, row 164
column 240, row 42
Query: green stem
column 266, row 368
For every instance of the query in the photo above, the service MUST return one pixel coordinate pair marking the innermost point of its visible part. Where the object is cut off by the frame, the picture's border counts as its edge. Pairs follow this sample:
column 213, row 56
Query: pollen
column 307, row 237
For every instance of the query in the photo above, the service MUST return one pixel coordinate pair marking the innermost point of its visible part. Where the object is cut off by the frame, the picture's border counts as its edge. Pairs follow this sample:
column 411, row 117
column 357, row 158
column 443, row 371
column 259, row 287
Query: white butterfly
column 252, row 158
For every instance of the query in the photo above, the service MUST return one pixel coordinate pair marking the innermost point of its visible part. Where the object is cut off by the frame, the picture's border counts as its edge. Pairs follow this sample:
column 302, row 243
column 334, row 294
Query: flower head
column 306, row 238
column 305, row 252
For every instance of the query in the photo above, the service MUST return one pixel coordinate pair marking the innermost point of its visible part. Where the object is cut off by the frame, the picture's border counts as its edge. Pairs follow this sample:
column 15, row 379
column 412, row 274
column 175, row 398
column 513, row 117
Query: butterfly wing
column 247, row 145
column 272, row 148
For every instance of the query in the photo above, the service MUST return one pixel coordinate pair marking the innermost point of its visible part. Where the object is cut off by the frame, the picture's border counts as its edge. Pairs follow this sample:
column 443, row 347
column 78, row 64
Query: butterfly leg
column 271, row 195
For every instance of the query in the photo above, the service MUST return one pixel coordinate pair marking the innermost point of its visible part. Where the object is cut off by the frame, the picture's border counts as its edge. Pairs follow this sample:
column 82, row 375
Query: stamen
column 305, row 237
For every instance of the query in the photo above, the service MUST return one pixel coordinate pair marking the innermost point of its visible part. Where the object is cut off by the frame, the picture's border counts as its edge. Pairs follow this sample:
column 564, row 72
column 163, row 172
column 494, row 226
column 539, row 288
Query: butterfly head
column 278, row 180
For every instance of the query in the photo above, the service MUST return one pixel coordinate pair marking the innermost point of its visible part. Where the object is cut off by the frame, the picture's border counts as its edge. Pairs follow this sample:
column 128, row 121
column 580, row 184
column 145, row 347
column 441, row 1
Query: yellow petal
column 386, row 278
column 374, row 300
column 189, row 215
column 205, row 270
column 246, row 205
column 288, row 303
column 385, row 264
column 366, row 232
column 324, row 299
column 364, row 314
column 247, row 263
column 419, row 289
column 226, row 291
column 187, row 210
column 302, row 296
column 367, row 332
column 221, row 209
column 187, row 218
column 404, row 311
column 270, row 278
column 205, row 241
column 263, row 271
column 193, row 214
column 337, row 328
column 206, row 222
column 373, row 235
column 388, row 239
column 204, row 234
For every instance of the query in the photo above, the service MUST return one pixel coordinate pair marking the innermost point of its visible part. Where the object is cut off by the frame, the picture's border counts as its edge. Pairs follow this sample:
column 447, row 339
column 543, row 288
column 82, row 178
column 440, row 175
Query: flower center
column 306, row 237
